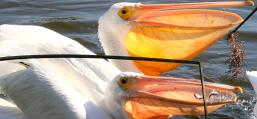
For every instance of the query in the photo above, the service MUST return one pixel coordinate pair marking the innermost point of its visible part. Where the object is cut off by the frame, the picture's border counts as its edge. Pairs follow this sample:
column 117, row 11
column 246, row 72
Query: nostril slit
column 197, row 96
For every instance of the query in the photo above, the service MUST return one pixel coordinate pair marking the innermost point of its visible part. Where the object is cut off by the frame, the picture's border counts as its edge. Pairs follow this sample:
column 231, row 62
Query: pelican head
column 137, row 96
column 157, row 30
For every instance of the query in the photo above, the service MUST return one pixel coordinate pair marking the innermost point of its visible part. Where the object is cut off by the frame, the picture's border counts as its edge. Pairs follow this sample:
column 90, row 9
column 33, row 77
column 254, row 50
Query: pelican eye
column 126, row 13
column 124, row 82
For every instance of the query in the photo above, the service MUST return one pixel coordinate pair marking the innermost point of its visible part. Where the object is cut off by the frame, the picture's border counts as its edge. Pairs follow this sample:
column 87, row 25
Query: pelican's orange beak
column 176, row 31
column 153, row 97
column 196, row 5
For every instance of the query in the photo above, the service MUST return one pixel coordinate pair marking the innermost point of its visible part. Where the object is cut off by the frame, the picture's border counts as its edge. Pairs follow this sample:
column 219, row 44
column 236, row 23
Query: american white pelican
column 138, row 96
column 42, row 92
column 252, row 76
column 174, row 31
column 85, row 79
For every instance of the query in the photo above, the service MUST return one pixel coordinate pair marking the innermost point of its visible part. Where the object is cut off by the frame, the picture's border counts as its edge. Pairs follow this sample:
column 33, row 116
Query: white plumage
column 252, row 76
column 112, row 31
column 10, row 111
column 87, row 76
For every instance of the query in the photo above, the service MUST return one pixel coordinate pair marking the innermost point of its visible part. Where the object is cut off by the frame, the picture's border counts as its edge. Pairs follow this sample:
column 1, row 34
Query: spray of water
column 237, row 56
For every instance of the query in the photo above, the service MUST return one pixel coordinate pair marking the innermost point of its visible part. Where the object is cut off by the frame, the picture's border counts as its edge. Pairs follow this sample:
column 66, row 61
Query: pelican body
column 87, row 77
column 39, row 95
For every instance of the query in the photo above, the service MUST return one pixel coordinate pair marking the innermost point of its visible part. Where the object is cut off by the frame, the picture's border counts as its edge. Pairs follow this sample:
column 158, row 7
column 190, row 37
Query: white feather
column 41, row 94
column 88, row 76
column 252, row 76
column 10, row 111
column 112, row 31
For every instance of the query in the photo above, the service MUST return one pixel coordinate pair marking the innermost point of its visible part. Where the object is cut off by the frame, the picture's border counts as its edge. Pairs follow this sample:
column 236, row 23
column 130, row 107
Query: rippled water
column 77, row 19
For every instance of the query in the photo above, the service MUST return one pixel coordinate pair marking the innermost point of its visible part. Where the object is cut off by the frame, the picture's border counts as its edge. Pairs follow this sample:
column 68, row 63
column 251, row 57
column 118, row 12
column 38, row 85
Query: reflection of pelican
column 252, row 76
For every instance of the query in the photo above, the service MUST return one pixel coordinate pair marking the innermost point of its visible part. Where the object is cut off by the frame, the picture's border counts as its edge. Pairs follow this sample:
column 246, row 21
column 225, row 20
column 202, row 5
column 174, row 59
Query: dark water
column 77, row 19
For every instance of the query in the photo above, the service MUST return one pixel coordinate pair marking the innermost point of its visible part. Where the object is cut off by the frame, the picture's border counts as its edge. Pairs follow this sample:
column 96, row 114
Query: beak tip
column 250, row 2
column 240, row 89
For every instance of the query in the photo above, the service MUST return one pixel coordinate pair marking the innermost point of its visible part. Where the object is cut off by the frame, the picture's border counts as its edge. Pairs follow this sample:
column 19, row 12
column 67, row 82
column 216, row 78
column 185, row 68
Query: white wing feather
column 88, row 76
column 9, row 111
column 27, row 40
